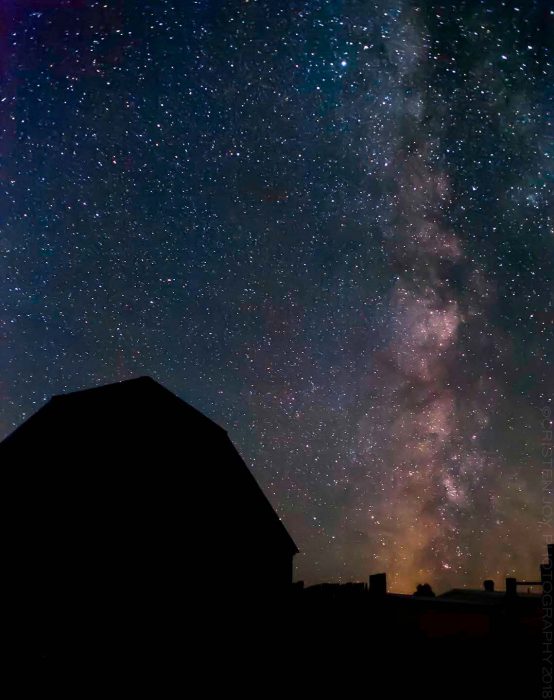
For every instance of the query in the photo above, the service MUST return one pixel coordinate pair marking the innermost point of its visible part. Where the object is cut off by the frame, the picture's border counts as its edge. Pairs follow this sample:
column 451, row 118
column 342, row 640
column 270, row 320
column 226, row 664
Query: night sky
column 328, row 225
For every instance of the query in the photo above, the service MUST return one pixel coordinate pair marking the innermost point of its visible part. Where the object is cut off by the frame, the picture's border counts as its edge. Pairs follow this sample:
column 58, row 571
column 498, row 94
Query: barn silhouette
column 127, row 508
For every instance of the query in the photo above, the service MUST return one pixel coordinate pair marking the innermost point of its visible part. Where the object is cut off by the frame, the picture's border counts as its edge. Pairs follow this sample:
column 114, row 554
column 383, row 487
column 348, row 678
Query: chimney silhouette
column 488, row 585
column 378, row 584
column 511, row 587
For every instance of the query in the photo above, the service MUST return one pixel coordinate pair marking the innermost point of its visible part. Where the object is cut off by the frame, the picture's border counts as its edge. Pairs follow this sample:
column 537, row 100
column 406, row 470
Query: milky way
column 327, row 225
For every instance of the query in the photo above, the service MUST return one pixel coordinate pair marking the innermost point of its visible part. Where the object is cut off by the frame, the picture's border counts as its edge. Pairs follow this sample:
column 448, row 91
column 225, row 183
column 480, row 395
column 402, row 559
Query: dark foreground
column 305, row 644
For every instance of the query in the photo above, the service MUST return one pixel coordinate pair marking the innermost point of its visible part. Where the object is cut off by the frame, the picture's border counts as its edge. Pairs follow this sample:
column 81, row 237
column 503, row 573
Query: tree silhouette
column 424, row 589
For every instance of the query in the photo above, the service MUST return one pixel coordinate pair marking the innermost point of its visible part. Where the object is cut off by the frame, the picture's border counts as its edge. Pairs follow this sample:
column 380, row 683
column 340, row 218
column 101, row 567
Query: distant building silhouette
column 128, row 508
column 463, row 643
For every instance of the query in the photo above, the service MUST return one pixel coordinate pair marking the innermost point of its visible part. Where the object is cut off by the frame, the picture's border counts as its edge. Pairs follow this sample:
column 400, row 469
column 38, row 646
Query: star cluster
column 325, row 223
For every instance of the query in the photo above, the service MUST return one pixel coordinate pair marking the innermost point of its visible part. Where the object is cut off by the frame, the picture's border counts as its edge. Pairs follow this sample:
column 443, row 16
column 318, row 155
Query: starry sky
column 327, row 224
